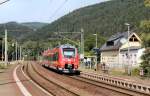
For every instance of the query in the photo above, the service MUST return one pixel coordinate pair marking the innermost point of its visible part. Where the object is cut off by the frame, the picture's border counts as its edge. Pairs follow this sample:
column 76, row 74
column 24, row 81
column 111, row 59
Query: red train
column 64, row 59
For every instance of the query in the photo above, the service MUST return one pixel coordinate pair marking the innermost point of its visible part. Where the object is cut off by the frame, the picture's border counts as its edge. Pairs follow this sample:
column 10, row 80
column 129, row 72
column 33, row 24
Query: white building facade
column 114, row 53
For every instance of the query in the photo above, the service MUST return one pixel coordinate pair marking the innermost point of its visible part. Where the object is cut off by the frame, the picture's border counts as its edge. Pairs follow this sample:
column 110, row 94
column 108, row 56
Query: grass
column 116, row 72
column 121, row 72
column 2, row 66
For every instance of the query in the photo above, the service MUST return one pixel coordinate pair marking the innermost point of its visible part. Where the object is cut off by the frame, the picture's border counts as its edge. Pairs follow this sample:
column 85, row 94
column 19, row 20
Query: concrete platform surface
column 8, row 86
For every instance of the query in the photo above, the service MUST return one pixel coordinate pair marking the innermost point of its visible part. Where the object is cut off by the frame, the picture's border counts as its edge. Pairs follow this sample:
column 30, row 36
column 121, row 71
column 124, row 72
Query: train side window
column 49, row 58
column 55, row 57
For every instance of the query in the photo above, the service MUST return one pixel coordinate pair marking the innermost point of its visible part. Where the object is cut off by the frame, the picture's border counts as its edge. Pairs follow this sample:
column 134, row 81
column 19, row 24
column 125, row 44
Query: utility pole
column 16, row 51
column 129, row 66
column 82, row 42
column 96, row 52
column 6, row 48
column 2, row 50
column 129, row 51
column 20, row 53
column 95, row 40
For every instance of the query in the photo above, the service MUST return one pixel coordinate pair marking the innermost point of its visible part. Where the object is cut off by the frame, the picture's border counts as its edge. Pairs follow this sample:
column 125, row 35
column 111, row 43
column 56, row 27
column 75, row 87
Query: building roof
column 116, row 39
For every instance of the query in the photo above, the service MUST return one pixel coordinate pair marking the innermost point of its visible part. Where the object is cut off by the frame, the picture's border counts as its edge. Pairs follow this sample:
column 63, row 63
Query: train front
column 69, row 59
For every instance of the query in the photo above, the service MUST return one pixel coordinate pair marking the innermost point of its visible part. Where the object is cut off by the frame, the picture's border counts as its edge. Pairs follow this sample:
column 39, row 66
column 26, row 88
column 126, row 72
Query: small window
column 134, row 55
column 110, row 43
column 131, row 39
column 135, row 39
column 55, row 57
column 135, row 62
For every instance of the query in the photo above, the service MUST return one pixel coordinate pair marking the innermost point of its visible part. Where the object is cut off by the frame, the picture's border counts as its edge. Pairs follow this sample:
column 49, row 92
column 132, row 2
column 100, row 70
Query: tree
column 145, row 29
column 146, row 62
column 147, row 3
column 145, row 26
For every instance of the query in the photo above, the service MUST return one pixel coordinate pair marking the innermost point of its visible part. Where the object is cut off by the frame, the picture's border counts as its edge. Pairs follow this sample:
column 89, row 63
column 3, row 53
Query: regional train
column 64, row 59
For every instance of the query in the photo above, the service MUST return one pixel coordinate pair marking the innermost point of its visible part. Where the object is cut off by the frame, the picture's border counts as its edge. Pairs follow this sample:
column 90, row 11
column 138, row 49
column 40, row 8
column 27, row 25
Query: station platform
column 8, row 86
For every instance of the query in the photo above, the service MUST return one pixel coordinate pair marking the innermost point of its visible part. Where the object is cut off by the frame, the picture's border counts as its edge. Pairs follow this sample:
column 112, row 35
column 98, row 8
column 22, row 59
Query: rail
column 51, row 81
column 144, row 89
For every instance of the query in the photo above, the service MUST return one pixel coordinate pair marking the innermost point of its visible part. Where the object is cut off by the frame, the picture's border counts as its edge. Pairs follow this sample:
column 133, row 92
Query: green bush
column 146, row 62
column 2, row 66
column 135, row 71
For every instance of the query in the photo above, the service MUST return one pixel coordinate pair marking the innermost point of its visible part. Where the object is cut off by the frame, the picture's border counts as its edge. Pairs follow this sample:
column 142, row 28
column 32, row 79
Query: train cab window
column 69, row 52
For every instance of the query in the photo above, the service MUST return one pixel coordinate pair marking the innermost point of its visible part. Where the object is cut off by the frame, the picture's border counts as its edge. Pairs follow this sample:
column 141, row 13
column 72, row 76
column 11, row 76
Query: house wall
column 110, row 58
column 119, row 59
column 134, row 57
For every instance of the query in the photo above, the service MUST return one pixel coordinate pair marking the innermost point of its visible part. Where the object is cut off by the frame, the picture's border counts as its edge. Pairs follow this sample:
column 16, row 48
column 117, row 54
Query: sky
column 40, row 10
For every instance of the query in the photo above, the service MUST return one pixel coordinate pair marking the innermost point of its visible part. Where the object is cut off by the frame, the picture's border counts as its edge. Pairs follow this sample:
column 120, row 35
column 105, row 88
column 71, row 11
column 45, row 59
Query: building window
column 133, row 39
column 134, row 55
column 110, row 43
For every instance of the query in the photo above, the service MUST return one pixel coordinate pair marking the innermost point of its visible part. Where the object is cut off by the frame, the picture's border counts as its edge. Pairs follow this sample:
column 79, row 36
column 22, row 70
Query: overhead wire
column 58, row 9
column 4, row 2
column 51, row 1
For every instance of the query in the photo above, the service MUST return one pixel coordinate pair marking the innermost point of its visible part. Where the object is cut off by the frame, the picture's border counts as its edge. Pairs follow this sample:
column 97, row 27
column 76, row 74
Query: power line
column 51, row 2
column 4, row 2
column 57, row 10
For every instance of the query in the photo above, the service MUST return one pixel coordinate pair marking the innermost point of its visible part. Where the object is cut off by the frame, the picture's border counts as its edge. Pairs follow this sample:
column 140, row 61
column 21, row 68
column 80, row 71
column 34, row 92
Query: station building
column 114, row 53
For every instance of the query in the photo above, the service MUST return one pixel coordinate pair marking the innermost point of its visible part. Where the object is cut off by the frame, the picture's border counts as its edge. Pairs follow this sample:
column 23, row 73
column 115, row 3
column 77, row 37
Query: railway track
column 107, row 86
column 90, row 80
column 76, row 86
column 79, row 85
column 52, row 87
column 132, row 88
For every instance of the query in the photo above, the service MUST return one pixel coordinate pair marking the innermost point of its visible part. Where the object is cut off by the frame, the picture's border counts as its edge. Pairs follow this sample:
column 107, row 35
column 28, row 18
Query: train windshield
column 69, row 52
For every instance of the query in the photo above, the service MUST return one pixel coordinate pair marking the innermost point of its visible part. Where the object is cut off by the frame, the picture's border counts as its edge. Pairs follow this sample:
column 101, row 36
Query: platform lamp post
column 20, row 53
column 16, row 49
column 82, row 45
column 129, row 66
column 6, row 49
column 95, row 40
column 2, row 49
column 96, row 48
column 82, row 41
